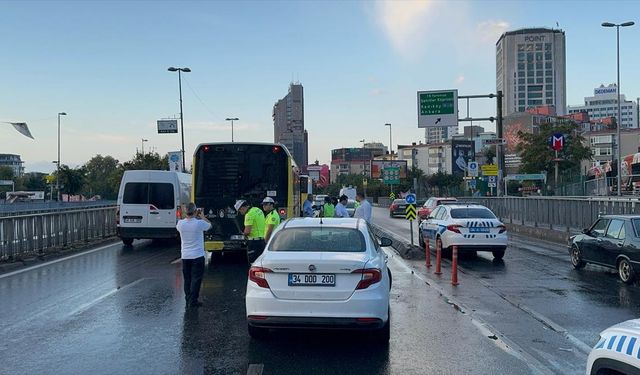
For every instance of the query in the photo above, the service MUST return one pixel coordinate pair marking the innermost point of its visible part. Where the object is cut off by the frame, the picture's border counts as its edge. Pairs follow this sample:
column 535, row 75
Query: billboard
column 462, row 152
column 167, row 126
column 378, row 165
column 175, row 161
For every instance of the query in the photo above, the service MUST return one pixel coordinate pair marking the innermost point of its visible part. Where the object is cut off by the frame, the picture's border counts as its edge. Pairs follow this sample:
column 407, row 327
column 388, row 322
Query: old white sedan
column 315, row 273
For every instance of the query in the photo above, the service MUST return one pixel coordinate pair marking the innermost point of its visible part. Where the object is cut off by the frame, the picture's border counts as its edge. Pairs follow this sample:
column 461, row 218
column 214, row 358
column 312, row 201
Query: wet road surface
column 534, row 297
column 121, row 310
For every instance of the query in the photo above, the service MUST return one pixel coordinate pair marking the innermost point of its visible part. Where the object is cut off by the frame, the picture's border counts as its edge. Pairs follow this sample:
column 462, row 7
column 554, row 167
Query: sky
column 361, row 63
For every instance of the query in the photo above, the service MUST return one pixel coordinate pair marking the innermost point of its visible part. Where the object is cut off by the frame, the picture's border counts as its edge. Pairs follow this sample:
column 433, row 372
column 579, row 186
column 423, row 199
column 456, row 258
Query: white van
column 150, row 203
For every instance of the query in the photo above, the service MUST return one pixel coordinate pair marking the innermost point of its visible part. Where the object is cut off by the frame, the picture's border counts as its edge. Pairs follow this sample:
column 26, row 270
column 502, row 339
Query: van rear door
column 134, row 211
column 162, row 205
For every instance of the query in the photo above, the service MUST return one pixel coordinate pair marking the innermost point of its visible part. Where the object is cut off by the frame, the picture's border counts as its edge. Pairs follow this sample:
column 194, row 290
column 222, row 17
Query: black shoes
column 194, row 304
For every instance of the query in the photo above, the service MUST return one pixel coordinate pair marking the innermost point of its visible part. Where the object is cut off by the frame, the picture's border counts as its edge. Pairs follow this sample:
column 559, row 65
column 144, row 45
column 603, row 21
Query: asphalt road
column 534, row 298
column 115, row 310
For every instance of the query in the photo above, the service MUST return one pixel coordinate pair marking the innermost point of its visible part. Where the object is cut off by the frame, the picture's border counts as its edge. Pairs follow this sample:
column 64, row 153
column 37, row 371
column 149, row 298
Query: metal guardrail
column 560, row 213
column 32, row 234
column 7, row 209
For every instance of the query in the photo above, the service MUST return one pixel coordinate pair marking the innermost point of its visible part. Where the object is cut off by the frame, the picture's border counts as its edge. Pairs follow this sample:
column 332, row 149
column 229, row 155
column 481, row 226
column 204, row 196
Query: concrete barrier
column 401, row 245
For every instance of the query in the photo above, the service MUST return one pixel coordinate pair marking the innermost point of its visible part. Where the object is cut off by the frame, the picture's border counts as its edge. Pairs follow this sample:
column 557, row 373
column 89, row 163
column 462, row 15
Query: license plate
column 478, row 230
column 312, row 279
column 402, row 207
column 132, row 220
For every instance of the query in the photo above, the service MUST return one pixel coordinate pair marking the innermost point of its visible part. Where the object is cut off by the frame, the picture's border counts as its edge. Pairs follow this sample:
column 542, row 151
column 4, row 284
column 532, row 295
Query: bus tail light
column 275, row 149
column 258, row 276
column 205, row 148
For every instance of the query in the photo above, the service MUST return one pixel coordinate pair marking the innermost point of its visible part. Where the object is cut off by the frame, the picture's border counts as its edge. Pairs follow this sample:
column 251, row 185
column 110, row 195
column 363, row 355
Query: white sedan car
column 471, row 227
column 328, row 273
column 617, row 351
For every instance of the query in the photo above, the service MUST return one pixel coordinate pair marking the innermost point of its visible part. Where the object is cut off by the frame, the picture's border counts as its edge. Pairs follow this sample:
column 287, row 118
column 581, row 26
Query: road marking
column 56, row 261
column 255, row 369
column 177, row 261
column 108, row 294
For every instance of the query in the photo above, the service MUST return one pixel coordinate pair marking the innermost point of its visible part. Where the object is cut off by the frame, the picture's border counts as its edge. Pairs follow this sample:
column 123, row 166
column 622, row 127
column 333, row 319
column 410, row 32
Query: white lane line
column 106, row 295
column 255, row 369
column 56, row 261
column 177, row 261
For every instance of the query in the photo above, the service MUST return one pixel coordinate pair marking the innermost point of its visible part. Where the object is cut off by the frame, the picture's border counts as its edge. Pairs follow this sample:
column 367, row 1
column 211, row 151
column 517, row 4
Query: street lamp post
column 180, row 70
column 390, row 143
column 143, row 141
column 619, row 119
column 232, row 119
column 58, row 161
column 364, row 168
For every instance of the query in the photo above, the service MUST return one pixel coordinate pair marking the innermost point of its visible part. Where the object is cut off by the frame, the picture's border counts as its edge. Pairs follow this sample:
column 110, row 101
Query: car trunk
column 339, row 265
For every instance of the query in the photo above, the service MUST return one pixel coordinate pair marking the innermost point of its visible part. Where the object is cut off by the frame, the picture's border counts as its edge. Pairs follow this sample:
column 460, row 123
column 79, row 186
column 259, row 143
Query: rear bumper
column 234, row 245
column 309, row 322
column 143, row 232
column 478, row 241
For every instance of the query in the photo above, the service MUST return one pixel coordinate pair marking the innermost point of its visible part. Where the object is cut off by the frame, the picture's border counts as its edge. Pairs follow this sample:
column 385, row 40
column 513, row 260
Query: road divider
column 401, row 245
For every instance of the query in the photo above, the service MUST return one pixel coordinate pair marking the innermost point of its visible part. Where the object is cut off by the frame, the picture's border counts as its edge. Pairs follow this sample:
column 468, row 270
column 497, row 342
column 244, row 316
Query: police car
column 471, row 227
column 617, row 351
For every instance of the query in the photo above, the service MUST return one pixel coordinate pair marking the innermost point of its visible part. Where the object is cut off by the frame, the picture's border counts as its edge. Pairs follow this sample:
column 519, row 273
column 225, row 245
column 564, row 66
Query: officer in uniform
column 328, row 209
column 253, row 228
column 272, row 220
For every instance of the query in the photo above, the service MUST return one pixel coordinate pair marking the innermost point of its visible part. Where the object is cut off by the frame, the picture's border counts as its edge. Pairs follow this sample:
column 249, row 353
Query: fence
column 560, row 213
column 9, row 209
column 32, row 234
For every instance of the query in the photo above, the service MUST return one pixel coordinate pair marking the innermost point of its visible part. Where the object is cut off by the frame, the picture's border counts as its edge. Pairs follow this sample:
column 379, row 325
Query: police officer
column 253, row 228
column 328, row 209
column 272, row 219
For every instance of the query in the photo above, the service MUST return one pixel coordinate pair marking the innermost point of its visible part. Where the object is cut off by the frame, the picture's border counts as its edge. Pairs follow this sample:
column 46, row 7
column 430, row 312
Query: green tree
column 71, row 180
column 34, row 181
column 149, row 161
column 537, row 156
column 490, row 154
column 103, row 175
column 6, row 173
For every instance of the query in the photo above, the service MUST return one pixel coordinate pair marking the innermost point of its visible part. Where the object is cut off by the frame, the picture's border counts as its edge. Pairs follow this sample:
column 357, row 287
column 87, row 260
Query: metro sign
column 556, row 141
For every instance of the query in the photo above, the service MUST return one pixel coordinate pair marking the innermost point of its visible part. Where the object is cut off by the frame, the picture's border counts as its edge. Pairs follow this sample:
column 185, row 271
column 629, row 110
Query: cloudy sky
column 360, row 62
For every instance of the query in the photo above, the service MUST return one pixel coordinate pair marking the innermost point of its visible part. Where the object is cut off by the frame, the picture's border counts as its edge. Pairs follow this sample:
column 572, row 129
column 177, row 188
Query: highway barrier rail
column 25, row 235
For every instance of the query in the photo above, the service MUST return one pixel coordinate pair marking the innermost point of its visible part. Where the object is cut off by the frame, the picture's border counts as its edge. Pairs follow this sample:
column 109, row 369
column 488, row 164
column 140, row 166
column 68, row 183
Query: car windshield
column 472, row 213
column 326, row 239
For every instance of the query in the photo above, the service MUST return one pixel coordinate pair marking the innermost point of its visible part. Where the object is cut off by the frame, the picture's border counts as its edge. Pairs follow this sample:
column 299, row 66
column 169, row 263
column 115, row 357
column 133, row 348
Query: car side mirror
column 385, row 242
column 586, row 231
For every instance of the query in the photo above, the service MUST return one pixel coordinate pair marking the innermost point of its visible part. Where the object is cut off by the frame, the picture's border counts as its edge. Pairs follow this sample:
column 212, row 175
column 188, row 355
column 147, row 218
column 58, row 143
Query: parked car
column 398, row 207
column 430, row 205
column 616, row 350
column 613, row 241
column 471, row 227
column 316, row 273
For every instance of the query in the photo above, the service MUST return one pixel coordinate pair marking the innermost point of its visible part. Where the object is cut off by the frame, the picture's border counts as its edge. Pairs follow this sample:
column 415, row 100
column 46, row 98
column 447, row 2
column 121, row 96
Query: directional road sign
column 410, row 198
column 392, row 195
column 527, row 177
column 391, row 175
column 494, row 141
column 437, row 108
column 410, row 212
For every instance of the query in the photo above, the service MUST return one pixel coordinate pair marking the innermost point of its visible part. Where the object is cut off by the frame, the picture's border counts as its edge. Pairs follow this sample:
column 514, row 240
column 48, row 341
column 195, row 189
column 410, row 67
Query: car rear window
column 472, row 213
column 326, row 239
column 158, row 194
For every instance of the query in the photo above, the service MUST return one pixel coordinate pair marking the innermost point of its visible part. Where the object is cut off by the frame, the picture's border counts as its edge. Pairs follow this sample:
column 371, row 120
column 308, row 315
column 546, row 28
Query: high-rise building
column 12, row 161
column 604, row 104
column 288, row 125
column 531, row 69
column 439, row 134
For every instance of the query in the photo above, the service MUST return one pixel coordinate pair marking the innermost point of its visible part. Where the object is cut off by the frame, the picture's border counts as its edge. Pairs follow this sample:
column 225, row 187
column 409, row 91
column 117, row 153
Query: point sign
column 410, row 198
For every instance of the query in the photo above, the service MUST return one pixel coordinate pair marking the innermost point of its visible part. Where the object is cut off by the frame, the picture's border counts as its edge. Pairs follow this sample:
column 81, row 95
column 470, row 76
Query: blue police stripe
column 611, row 341
column 632, row 343
column 621, row 343
column 601, row 343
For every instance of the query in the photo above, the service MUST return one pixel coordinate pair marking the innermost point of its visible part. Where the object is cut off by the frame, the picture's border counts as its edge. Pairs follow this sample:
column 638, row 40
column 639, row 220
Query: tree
column 490, row 154
column 6, row 173
column 71, row 180
column 34, row 181
column 103, row 175
column 150, row 161
column 537, row 156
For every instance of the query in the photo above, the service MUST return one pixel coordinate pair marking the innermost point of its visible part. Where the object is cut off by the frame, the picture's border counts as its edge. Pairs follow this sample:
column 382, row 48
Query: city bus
column 226, row 172
column 306, row 188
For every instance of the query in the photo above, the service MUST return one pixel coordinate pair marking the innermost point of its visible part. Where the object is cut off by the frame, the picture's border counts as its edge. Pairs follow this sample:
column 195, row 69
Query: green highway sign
column 437, row 108
column 391, row 175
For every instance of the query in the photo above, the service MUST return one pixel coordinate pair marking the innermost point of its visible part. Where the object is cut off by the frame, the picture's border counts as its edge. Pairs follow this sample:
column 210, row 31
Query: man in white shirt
column 364, row 209
column 191, row 231
column 341, row 207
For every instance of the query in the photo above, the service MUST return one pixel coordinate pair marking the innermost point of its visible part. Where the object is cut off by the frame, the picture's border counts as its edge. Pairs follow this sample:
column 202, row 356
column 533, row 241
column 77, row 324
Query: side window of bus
column 135, row 193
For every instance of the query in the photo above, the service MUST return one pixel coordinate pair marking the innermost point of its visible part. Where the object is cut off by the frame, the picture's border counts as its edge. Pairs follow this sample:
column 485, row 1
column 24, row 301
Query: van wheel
column 127, row 241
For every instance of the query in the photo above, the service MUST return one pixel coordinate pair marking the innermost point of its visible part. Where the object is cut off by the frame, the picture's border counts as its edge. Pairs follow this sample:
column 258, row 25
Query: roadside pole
column 410, row 212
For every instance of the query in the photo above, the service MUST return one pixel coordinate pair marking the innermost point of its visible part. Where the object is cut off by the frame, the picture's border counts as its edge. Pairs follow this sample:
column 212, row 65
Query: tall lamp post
column 180, row 70
column 58, row 161
column 232, row 119
column 390, row 143
column 143, row 141
column 619, row 119
column 364, row 168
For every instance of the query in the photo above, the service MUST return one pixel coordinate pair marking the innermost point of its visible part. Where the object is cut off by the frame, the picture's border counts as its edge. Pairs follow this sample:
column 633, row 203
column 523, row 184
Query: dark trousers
column 192, row 271
column 254, row 249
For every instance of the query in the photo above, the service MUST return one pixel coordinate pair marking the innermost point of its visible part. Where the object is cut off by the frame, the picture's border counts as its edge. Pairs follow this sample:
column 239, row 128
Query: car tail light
column 118, row 215
column 257, row 275
column 502, row 228
column 367, row 320
column 370, row 276
column 454, row 228
column 393, row 207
